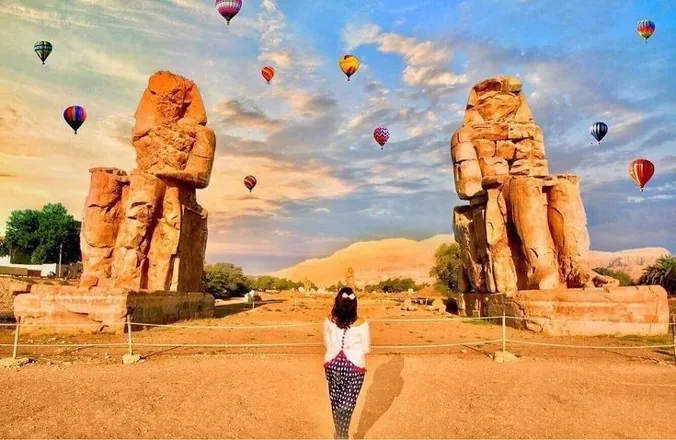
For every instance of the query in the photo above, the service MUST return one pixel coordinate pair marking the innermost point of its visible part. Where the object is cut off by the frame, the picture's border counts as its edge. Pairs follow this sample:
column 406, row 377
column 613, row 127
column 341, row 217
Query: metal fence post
column 504, row 332
column 15, row 352
column 131, row 350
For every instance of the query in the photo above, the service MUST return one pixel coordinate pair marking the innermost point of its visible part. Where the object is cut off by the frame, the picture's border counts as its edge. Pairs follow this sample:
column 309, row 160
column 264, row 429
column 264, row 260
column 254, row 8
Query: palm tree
column 662, row 272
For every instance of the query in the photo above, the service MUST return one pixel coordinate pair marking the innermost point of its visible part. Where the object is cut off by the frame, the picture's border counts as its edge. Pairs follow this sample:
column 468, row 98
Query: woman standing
column 347, row 340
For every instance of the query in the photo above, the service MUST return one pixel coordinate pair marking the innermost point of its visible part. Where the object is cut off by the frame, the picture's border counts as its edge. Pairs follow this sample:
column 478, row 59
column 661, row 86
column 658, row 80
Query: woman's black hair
column 344, row 312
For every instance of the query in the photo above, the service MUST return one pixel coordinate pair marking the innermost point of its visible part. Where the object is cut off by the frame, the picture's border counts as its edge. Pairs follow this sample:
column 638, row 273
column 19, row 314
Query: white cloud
column 426, row 61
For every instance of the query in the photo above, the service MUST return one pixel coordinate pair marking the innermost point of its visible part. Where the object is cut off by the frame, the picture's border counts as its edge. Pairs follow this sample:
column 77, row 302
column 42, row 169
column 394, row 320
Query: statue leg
column 130, row 262
column 164, row 242
column 528, row 208
column 464, row 228
column 102, row 216
column 568, row 224
column 500, row 269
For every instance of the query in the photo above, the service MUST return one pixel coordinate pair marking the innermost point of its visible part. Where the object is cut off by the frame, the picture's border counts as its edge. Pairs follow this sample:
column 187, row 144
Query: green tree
column 662, row 272
column 447, row 264
column 397, row 285
column 4, row 250
column 35, row 237
column 222, row 278
column 622, row 277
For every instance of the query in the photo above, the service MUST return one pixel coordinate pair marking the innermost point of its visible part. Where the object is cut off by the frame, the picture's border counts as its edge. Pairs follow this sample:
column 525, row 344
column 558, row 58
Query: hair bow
column 351, row 295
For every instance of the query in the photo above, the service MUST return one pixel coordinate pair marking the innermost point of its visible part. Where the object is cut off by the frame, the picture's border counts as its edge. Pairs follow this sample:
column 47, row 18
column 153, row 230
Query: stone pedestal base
column 639, row 310
column 105, row 307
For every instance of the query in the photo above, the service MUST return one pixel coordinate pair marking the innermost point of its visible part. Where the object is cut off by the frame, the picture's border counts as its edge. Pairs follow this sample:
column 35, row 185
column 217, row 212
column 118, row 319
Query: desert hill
column 374, row 261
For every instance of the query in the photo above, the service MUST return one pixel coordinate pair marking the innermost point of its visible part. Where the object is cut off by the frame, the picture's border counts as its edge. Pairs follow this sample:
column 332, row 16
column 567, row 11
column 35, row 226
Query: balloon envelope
column 250, row 182
column 228, row 8
column 598, row 130
column 645, row 29
column 349, row 64
column 641, row 171
column 42, row 49
column 268, row 73
column 381, row 135
column 75, row 116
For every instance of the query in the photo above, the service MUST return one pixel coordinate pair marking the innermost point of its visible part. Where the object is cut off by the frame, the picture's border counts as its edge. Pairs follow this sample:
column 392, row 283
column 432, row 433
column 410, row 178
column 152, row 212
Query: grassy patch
column 484, row 322
column 649, row 340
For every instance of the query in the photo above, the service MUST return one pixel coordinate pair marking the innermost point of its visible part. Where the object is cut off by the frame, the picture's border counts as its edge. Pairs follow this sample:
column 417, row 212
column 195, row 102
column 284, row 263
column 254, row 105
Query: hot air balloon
column 228, row 8
column 641, row 171
column 75, row 116
column 381, row 135
column 645, row 29
column 250, row 182
column 349, row 64
column 268, row 73
column 598, row 130
column 42, row 49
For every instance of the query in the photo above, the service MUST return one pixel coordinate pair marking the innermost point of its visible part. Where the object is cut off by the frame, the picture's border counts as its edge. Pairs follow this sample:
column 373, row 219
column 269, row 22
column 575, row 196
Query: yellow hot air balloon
column 349, row 64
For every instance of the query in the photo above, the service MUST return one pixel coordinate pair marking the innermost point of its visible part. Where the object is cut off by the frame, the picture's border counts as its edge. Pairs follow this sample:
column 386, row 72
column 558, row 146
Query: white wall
column 44, row 269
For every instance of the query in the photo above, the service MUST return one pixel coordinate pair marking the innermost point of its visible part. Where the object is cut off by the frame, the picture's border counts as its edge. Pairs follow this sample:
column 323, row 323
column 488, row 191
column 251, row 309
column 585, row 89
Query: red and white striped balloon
column 268, row 73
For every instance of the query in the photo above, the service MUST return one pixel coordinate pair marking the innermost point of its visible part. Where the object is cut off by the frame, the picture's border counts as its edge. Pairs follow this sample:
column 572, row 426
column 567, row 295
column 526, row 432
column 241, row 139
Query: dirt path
column 284, row 396
column 281, row 392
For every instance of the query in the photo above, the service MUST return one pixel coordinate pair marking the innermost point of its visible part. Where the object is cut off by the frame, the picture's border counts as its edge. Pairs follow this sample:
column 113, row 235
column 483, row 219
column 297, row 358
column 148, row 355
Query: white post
column 131, row 350
column 673, row 334
column 504, row 332
column 16, row 338
column 60, row 252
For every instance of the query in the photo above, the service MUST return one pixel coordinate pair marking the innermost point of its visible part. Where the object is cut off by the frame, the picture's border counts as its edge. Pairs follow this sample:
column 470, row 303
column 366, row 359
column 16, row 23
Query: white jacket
column 357, row 342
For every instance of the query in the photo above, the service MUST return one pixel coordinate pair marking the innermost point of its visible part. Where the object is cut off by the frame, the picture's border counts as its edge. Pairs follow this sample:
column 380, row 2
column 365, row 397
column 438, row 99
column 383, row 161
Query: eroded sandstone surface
column 145, row 229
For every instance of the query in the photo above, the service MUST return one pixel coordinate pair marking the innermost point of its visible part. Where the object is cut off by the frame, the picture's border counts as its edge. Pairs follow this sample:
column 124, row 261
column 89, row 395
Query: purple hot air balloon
column 75, row 116
column 381, row 135
column 228, row 8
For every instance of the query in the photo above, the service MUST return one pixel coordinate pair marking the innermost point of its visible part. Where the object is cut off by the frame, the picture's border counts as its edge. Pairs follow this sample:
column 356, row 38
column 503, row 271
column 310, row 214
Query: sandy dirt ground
column 280, row 392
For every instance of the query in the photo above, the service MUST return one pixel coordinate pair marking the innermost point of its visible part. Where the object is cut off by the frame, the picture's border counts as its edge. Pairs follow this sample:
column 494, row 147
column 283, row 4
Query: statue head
column 168, row 99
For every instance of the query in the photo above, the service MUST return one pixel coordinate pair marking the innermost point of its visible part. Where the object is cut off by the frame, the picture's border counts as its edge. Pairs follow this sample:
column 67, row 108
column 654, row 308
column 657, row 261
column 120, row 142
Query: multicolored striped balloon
column 641, row 171
column 349, row 64
column 42, row 49
column 75, row 116
column 268, row 73
column 228, row 8
column 381, row 135
column 645, row 29
column 250, row 182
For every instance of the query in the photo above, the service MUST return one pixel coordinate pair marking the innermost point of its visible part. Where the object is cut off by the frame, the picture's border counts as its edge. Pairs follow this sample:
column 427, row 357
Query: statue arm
column 197, row 172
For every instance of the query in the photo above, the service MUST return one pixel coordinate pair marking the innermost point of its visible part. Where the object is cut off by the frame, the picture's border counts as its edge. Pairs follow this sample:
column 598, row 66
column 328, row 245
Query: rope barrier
column 453, row 344
column 243, row 327
column 599, row 347
column 318, row 344
column 289, row 344
column 65, row 345
column 224, row 327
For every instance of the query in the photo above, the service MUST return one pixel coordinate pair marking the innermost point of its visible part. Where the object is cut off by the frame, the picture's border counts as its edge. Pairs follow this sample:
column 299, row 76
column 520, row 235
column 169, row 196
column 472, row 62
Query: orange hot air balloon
column 641, row 171
column 268, row 73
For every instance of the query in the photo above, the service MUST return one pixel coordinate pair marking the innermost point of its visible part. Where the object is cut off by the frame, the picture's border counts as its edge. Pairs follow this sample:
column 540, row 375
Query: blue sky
column 323, row 181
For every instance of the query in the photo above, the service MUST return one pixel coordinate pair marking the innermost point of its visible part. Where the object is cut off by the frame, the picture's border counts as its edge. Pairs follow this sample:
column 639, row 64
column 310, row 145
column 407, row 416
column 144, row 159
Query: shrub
column 447, row 266
column 662, row 272
column 622, row 277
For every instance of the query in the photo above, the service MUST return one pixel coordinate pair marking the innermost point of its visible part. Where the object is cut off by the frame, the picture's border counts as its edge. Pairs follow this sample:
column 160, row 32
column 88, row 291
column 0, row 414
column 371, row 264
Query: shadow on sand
column 387, row 385
column 228, row 309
